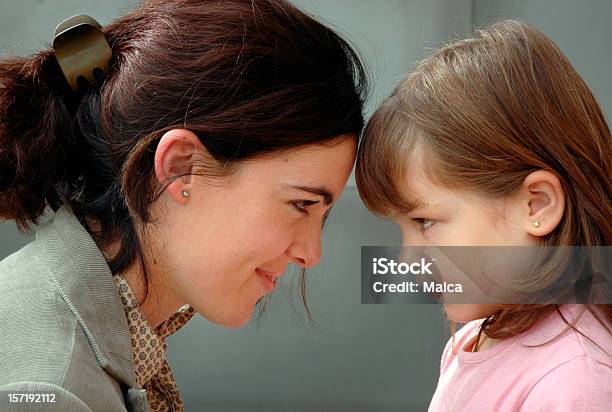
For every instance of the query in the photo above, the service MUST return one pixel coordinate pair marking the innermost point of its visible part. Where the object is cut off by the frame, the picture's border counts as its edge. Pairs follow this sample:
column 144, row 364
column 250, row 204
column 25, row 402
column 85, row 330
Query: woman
column 186, row 181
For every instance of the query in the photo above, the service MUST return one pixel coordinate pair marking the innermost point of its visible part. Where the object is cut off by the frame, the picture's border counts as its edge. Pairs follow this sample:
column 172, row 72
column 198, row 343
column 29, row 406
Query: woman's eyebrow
column 320, row 190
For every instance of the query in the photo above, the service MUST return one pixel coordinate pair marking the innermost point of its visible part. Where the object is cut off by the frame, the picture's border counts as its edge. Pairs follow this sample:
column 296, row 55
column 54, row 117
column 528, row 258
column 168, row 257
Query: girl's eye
column 423, row 223
column 302, row 205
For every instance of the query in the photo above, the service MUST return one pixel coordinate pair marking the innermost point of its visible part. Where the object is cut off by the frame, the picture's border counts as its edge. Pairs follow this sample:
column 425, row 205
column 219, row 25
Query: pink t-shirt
column 568, row 374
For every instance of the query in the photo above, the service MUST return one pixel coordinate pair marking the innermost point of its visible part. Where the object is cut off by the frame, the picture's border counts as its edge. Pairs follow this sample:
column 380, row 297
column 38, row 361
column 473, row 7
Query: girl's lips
column 268, row 279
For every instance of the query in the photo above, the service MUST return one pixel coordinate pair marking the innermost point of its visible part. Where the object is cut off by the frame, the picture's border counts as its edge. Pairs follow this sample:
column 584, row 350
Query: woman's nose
column 306, row 249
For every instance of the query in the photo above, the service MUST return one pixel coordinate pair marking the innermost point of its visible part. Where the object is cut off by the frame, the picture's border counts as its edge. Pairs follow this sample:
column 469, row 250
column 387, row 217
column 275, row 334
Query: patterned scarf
column 149, row 345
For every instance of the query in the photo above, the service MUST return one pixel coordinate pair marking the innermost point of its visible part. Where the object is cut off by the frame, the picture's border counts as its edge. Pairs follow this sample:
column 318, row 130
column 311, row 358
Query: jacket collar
column 82, row 276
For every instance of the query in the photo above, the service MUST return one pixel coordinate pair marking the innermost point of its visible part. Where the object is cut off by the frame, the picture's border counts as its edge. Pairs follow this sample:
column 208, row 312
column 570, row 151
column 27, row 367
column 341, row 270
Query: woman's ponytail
column 35, row 136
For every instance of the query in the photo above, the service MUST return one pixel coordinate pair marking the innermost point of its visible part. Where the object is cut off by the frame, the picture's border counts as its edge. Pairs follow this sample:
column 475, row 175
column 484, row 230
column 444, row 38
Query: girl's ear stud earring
column 185, row 193
column 536, row 223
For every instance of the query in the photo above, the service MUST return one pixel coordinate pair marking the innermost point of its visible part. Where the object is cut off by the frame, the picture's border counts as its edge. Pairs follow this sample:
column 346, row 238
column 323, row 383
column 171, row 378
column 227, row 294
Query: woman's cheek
column 283, row 232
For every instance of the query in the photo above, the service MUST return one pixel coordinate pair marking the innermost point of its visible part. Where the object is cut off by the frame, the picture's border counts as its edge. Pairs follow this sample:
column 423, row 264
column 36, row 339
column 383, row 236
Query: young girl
column 496, row 140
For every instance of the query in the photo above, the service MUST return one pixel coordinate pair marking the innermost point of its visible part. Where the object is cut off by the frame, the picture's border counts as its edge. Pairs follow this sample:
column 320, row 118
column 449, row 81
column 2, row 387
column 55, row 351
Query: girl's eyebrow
column 322, row 191
column 404, row 205
column 414, row 204
column 410, row 205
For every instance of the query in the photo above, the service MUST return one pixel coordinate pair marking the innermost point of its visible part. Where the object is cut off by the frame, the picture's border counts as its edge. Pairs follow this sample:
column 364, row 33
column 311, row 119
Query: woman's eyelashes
column 423, row 223
column 302, row 205
column 325, row 217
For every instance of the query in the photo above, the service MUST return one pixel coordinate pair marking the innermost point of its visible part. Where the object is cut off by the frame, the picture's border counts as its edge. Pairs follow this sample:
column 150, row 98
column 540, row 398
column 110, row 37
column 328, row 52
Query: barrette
column 81, row 50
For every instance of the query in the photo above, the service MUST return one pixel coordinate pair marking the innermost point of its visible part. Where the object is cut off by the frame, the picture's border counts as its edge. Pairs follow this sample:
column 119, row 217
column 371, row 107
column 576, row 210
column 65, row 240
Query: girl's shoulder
column 572, row 364
column 551, row 341
column 572, row 332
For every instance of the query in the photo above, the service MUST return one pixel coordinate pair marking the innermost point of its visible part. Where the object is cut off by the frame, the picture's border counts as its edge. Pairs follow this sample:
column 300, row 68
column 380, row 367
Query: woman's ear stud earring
column 185, row 193
column 536, row 223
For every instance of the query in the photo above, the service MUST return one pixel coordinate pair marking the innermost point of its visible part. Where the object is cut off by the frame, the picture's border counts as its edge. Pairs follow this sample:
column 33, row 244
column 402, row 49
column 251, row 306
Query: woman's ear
column 542, row 201
column 174, row 156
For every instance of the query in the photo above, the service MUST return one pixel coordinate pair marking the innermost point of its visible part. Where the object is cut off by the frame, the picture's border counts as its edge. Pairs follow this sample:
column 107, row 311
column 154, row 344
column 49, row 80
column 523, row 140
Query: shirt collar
column 84, row 280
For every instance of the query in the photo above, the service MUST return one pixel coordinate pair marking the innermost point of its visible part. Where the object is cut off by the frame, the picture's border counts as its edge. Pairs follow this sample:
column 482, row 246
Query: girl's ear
column 174, row 156
column 542, row 202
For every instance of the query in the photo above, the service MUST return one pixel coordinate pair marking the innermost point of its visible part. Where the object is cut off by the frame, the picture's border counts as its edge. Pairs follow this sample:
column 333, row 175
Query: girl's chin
column 464, row 313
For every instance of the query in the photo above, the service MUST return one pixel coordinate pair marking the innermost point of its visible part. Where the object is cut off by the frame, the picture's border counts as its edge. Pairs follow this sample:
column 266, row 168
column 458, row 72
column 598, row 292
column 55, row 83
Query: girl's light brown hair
column 485, row 112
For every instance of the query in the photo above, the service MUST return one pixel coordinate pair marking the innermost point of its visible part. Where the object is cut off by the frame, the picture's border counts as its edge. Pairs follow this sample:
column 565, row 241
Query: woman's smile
column 268, row 279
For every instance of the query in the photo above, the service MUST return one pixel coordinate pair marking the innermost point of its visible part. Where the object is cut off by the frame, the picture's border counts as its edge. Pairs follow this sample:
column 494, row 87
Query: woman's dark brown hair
column 486, row 112
column 249, row 77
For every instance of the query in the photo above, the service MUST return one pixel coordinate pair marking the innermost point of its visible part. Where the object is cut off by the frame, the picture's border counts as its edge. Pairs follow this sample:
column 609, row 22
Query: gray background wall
column 354, row 357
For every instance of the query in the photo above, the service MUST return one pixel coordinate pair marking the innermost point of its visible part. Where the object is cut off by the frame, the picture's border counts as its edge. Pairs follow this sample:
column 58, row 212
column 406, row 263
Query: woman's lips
column 268, row 279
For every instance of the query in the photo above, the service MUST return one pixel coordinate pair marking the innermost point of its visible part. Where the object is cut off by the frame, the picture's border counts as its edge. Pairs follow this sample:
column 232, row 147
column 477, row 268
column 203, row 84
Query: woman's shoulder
column 27, row 293
column 43, row 344
column 38, row 328
column 58, row 363
column 30, row 302
column 16, row 266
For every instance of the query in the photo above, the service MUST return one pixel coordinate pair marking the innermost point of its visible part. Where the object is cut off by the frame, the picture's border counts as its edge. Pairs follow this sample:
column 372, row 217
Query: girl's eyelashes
column 423, row 223
column 302, row 205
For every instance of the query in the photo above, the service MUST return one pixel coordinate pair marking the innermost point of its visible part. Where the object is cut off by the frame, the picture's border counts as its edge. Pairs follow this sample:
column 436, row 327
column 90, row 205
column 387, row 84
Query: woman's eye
column 302, row 205
column 423, row 223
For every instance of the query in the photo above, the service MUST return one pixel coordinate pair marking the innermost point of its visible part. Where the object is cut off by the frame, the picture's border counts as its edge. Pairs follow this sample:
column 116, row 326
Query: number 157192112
column 31, row 397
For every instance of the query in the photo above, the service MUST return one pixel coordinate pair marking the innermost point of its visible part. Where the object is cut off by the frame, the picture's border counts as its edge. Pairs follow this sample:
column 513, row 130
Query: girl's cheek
column 412, row 237
column 430, row 231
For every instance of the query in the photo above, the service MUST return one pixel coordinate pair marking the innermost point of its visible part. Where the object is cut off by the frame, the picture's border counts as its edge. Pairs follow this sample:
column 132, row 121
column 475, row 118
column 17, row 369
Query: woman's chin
column 237, row 323
column 230, row 320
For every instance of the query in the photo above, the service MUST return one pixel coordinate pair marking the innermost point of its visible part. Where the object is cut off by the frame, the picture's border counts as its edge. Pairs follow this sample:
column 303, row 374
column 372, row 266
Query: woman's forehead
column 313, row 166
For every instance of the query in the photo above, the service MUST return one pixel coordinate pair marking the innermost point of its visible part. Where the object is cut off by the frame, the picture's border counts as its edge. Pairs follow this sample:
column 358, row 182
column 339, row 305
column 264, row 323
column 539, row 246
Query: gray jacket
column 63, row 331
